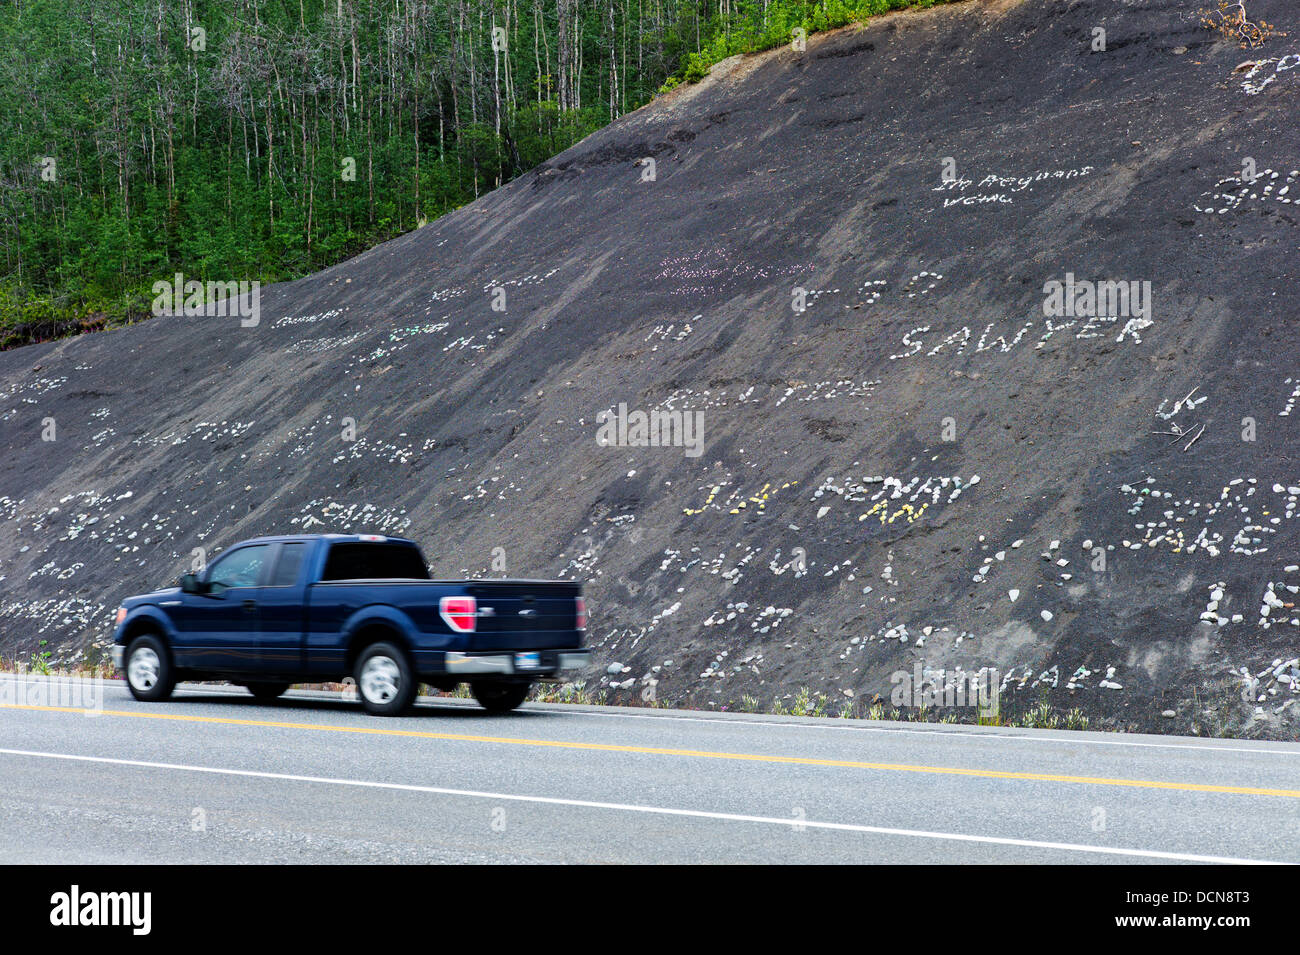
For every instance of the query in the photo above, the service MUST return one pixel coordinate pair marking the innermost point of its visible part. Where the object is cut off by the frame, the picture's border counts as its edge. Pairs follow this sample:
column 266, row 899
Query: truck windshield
column 374, row 561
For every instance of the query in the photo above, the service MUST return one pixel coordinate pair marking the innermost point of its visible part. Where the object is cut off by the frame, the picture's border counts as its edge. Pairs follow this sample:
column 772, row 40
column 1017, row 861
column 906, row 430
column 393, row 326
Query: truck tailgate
column 525, row 614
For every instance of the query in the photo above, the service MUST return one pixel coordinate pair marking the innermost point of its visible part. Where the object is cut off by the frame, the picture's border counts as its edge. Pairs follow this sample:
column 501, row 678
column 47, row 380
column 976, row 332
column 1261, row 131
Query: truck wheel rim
column 380, row 678
column 142, row 671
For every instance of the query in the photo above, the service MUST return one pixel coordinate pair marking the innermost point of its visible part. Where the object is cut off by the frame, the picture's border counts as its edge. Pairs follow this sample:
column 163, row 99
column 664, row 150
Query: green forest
column 266, row 139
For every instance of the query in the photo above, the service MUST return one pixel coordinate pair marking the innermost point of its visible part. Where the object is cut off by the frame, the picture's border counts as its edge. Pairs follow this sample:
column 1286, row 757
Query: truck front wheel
column 149, row 673
column 385, row 682
column 497, row 697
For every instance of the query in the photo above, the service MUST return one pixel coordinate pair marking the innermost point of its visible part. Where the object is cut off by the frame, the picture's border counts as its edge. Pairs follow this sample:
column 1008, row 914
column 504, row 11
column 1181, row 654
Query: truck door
column 281, row 611
column 217, row 630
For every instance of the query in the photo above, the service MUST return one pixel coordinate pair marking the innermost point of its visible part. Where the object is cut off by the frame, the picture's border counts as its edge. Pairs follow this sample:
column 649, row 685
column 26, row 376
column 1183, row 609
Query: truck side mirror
column 190, row 584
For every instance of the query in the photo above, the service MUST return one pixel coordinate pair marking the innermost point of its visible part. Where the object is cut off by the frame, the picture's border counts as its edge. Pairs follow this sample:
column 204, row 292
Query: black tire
column 496, row 696
column 385, row 681
column 267, row 691
column 154, row 677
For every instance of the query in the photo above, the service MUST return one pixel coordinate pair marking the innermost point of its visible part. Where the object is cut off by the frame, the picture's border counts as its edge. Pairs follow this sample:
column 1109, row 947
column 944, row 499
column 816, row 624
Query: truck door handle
column 250, row 604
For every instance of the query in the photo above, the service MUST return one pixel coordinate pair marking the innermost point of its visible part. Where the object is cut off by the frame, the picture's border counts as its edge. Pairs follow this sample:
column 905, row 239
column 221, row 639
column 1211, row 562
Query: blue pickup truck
column 274, row 611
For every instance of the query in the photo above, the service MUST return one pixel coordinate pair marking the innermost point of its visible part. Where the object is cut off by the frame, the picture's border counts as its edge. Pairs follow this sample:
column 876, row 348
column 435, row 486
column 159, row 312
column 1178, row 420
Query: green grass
column 779, row 29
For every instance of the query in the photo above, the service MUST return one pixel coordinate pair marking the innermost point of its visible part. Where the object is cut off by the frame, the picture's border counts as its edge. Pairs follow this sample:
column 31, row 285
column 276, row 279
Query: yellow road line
column 696, row 753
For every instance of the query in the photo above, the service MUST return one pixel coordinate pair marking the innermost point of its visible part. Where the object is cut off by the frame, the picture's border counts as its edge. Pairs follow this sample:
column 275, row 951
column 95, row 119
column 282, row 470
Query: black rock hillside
column 839, row 261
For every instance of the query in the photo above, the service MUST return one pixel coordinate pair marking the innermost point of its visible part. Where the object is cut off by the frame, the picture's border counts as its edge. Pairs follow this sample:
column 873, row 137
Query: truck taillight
column 460, row 613
column 580, row 606
column 121, row 614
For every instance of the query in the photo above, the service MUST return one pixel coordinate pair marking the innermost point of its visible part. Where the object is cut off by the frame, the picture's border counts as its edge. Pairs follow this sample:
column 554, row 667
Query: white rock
column 1014, row 595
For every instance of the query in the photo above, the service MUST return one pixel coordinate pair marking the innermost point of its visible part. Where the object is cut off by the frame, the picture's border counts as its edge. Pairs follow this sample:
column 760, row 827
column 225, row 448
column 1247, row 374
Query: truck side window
column 287, row 565
column 240, row 568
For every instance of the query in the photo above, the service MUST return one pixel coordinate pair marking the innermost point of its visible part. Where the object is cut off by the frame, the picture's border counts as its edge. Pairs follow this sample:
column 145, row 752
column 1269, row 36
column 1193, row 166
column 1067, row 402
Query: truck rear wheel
column 149, row 673
column 498, row 697
column 385, row 682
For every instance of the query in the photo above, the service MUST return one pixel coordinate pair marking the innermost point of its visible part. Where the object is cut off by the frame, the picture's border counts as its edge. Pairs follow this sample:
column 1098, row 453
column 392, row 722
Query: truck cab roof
column 346, row 538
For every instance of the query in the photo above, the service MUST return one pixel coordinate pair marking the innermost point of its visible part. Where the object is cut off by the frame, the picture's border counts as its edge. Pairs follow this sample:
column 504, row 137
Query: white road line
column 654, row 810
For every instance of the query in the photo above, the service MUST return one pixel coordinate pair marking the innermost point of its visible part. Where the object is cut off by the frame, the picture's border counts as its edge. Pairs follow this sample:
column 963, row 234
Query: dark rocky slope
column 828, row 534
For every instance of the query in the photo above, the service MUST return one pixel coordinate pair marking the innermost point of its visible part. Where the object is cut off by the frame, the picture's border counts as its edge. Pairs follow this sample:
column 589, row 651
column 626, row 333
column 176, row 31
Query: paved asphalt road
column 213, row 776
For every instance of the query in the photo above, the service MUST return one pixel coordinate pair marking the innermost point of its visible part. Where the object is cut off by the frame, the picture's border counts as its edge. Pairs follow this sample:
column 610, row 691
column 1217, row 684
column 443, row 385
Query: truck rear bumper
column 541, row 662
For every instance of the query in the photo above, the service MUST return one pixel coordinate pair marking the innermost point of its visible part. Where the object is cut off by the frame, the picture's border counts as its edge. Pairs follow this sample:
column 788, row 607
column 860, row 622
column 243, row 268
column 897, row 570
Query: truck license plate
column 528, row 661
